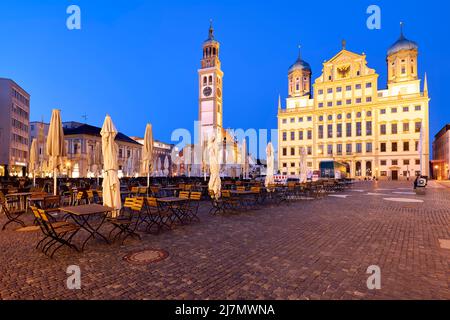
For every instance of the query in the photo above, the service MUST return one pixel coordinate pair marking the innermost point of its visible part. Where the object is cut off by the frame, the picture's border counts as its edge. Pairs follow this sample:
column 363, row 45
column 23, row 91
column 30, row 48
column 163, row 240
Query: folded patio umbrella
column 111, row 183
column 56, row 148
column 33, row 160
column 215, row 184
column 166, row 166
column 244, row 163
column 303, row 166
column 270, row 165
column 159, row 167
column 147, row 153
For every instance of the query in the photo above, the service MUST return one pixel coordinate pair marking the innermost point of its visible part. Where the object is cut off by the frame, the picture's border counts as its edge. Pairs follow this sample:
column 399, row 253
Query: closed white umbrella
column 147, row 153
column 244, row 163
column 303, row 166
column 166, row 166
column 33, row 160
column 159, row 167
column 97, row 167
column 215, row 184
column 56, row 149
column 187, row 160
column 111, row 183
column 270, row 165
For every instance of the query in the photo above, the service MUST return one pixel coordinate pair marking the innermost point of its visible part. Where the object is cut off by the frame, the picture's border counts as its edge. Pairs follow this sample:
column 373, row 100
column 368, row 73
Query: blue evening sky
column 137, row 60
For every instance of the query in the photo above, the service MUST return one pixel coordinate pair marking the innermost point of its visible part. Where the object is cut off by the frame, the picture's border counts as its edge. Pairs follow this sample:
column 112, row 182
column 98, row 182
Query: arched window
column 368, row 169
column 358, row 169
column 210, row 80
column 205, row 81
column 214, row 51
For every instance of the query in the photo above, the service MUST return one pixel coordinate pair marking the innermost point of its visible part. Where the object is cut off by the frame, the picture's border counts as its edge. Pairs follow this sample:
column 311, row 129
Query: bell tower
column 210, row 88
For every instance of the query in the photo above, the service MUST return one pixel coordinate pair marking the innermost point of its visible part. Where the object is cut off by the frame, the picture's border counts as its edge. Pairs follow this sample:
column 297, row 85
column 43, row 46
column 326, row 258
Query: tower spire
column 425, row 85
column 299, row 52
column 211, row 30
column 279, row 102
column 401, row 30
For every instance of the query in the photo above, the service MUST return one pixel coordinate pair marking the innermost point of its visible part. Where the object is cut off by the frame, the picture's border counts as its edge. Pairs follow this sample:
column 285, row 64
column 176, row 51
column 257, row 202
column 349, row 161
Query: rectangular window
column 348, row 148
column 358, row 129
column 368, row 128
column 292, row 120
column 330, row 131
column 417, row 162
column 394, row 147
column 369, row 85
column 394, row 110
column 382, row 129
column 348, row 129
column 405, row 109
column 383, row 173
column 369, row 99
column 284, row 136
column 309, row 134
column 330, row 90
column 416, row 145
column 383, row 147
column 300, row 135
column 284, row 121
column 383, row 111
column 405, row 126
column 292, row 135
column 320, row 132
column 418, row 126
column 320, row 104
column 320, row 91
column 394, row 162
column 405, row 146
column 369, row 147
column 292, row 151
column 417, row 108
column 330, row 149
column 284, row 152
column 348, row 88
column 309, row 150
column 339, row 130
column 359, row 147
column 394, row 128
column 300, row 119
column 309, row 118
column 383, row 162
column 358, row 86
column 358, row 100
column 348, row 101
column 406, row 162
column 339, row 148
column 339, row 89
column 339, row 102
column 329, row 104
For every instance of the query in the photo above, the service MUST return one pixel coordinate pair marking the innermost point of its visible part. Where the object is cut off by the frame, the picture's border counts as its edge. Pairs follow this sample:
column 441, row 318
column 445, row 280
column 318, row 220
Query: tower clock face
column 207, row 91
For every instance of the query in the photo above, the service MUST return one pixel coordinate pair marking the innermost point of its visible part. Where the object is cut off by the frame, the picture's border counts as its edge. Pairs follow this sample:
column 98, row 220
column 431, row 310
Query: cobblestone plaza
column 309, row 249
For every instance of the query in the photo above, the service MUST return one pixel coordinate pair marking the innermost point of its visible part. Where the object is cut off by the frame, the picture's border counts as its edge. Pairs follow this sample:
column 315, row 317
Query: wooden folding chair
column 128, row 221
column 157, row 216
column 60, row 233
column 13, row 215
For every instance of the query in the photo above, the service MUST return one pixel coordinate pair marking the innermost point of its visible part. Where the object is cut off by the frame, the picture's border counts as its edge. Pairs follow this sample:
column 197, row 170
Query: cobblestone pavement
column 311, row 249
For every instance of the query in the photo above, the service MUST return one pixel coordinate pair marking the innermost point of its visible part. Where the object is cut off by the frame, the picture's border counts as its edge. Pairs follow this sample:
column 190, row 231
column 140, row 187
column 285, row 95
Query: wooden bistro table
column 171, row 203
column 171, row 190
column 82, row 216
column 22, row 196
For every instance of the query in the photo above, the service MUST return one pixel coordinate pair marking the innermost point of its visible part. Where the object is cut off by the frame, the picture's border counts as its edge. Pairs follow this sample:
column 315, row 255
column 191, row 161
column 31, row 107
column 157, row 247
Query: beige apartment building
column 14, row 128
column 441, row 154
column 345, row 117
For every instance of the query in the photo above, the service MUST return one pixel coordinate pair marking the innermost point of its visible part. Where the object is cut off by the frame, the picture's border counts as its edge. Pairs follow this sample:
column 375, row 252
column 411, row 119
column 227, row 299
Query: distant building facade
column 14, row 128
column 84, row 153
column 161, row 151
column 375, row 133
column 441, row 154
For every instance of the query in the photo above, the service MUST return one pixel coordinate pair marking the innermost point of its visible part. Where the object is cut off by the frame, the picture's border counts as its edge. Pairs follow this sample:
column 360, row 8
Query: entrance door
column 394, row 175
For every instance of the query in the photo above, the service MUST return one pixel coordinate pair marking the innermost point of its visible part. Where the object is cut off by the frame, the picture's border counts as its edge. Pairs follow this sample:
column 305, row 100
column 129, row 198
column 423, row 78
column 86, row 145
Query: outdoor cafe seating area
column 76, row 216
